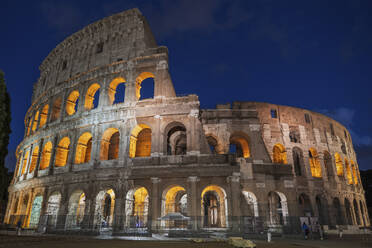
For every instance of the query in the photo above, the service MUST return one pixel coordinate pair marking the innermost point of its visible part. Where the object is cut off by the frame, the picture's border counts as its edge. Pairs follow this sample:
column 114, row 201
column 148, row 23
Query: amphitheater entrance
column 137, row 208
column 249, row 208
column 278, row 210
column 76, row 209
column 104, row 211
column 214, row 207
column 35, row 212
column 52, row 209
column 174, row 208
column 305, row 205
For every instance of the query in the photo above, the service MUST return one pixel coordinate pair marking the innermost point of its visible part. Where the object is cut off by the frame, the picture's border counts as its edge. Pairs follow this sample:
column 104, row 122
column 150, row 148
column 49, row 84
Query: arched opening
column 29, row 125
column 305, row 205
column 298, row 161
column 339, row 165
column 251, row 200
column 35, row 212
column 137, row 207
column 279, row 154
column 25, row 159
column 110, row 144
column 315, row 167
column 337, row 211
column 249, row 211
column 349, row 214
column 146, row 91
column 349, row 177
column 92, row 96
column 214, row 207
column 174, row 207
column 321, row 204
column 36, row 119
column 56, row 109
column 62, row 152
column 45, row 156
column 239, row 145
column 76, row 209
column 72, row 102
column 34, row 157
column 140, row 141
column 176, row 139
column 214, row 146
column 23, row 211
column 104, row 212
column 355, row 173
column 356, row 211
column 44, row 115
column 116, row 91
column 328, row 164
column 278, row 209
column 83, row 148
column 53, row 208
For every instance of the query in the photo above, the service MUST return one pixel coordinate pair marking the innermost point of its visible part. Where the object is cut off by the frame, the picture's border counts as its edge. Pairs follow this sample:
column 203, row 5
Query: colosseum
column 98, row 159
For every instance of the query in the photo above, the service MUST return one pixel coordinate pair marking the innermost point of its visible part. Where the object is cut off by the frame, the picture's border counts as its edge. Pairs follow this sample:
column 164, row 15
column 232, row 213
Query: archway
column 174, row 200
column 278, row 208
column 76, row 209
column 45, row 156
column 53, row 208
column 35, row 212
column 355, row 173
column 239, row 144
column 279, row 154
column 104, row 211
column 34, row 157
column 214, row 207
column 137, row 207
column 339, row 165
column 116, row 91
column 72, row 102
column 146, row 78
column 83, row 148
column 298, row 161
column 110, row 144
column 349, row 214
column 315, row 167
column 44, row 115
column 140, row 141
column 305, row 205
column 92, row 96
column 36, row 119
column 63, row 149
column 176, row 139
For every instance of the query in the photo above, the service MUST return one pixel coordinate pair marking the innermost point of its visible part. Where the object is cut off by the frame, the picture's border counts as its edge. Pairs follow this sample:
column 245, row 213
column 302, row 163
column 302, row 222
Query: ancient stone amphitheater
column 98, row 159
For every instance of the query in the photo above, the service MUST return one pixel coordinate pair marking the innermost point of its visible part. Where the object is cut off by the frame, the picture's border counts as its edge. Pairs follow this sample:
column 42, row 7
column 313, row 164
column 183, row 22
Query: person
column 19, row 226
column 305, row 229
column 340, row 232
column 320, row 230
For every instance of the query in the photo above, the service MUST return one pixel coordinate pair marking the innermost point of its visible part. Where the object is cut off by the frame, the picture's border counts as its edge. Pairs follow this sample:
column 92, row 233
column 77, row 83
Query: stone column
column 234, row 185
column 63, row 210
column 156, row 138
column 26, row 220
column 130, row 86
column 72, row 152
column 155, row 203
column 39, row 157
column 29, row 160
column 53, row 155
column 9, row 207
column 119, row 209
column 95, row 154
column 43, row 221
column 193, row 133
column 193, row 202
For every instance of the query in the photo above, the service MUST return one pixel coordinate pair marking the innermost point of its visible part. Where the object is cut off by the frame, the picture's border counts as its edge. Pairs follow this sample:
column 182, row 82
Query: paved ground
column 89, row 242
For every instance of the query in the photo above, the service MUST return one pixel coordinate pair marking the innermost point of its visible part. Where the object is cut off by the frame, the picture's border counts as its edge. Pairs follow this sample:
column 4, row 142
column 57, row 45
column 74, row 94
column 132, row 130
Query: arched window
column 110, row 144
column 279, row 154
column 44, row 115
column 56, row 110
column 315, row 167
column 355, row 172
column 148, row 91
column 140, row 141
column 62, row 152
column 298, row 161
column 349, row 213
column 213, row 145
column 328, row 163
column 36, row 119
column 305, row 205
column 278, row 208
column 35, row 155
column 83, row 149
column 45, row 156
column 25, row 159
column 92, row 96
column 214, row 207
column 176, row 139
column 349, row 176
column 72, row 102
column 339, row 165
column 116, row 90
column 239, row 145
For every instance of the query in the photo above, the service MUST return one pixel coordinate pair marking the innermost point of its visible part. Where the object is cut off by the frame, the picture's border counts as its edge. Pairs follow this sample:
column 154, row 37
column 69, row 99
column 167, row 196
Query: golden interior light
column 139, row 79
column 36, row 119
column 140, row 141
column 45, row 156
column 44, row 115
column 62, row 152
column 71, row 102
column 34, row 157
column 339, row 165
column 112, row 88
column 315, row 167
column 110, row 144
column 83, row 148
column 348, row 172
column 89, row 97
column 279, row 154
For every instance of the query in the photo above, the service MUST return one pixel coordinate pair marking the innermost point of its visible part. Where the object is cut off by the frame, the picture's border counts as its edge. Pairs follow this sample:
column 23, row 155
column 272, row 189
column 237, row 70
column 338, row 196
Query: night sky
column 310, row 54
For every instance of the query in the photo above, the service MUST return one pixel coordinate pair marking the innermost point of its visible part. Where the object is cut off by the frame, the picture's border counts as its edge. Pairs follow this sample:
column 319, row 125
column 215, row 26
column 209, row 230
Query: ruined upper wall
column 119, row 37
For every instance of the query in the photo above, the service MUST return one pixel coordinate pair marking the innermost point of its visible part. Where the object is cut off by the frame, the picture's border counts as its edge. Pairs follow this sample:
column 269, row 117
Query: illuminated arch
column 175, row 139
column 76, row 209
column 34, row 157
column 45, row 156
column 71, row 102
column 44, row 115
column 240, row 141
column 355, row 171
column 104, row 210
column 83, row 148
column 90, row 96
column 113, row 86
column 110, row 144
column 214, row 206
column 62, row 152
column 349, row 176
column 278, row 208
column 56, row 109
column 36, row 119
column 251, row 200
column 33, row 219
column 339, row 165
column 29, row 121
column 139, row 79
column 136, row 207
column 25, row 159
column 54, row 201
column 315, row 167
column 140, row 141
column 279, row 154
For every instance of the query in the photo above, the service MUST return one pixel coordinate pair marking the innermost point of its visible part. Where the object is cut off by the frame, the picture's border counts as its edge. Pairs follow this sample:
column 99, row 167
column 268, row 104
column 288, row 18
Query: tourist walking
column 305, row 229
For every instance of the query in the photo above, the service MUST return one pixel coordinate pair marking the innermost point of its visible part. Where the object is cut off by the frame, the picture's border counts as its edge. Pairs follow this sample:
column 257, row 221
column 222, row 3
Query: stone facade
column 94, row 163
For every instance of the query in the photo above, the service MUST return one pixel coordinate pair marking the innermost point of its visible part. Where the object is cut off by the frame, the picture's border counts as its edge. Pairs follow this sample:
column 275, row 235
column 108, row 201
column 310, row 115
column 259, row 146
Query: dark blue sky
column 311, row 54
